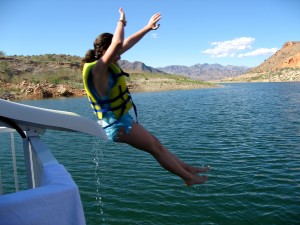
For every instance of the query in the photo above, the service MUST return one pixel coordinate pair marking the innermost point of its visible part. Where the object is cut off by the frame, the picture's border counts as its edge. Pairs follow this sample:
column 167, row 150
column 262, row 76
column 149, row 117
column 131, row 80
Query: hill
column 51, row 75
column 284, row 65
column 286, row 57
column 138, row 67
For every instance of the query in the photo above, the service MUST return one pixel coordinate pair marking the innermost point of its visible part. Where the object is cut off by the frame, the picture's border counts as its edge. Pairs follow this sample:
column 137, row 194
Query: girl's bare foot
column 196, row 180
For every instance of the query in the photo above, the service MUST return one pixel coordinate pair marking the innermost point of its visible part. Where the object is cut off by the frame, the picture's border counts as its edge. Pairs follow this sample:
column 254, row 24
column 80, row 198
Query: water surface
column 248, row 133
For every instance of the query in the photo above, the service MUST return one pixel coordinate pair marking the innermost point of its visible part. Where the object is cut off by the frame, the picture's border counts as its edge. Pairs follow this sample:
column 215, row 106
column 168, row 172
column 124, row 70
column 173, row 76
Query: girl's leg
column 192, row 169
column 140, row 138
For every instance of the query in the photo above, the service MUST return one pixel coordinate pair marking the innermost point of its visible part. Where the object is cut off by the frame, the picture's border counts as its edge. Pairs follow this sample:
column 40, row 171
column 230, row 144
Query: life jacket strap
column 123, row 106
column 134, row 106
column 107, row 109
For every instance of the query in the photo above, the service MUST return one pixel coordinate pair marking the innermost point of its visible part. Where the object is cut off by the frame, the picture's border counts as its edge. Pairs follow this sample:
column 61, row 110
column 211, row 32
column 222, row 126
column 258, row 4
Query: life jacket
column 119, row 101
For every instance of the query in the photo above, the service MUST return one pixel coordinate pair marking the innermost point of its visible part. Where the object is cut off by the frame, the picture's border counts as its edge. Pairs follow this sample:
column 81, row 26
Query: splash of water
column 98, row 149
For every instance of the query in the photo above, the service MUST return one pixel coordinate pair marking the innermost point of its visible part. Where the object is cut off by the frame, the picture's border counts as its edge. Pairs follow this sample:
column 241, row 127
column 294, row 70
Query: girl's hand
column 153, row 20
column 122, row 16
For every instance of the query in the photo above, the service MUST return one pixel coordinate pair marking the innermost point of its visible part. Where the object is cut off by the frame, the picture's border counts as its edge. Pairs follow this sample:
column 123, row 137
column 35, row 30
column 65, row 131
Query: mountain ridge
column 136, row 66
column 283, row 65
column 286, row 57
column 17, row 65
column 207, row 72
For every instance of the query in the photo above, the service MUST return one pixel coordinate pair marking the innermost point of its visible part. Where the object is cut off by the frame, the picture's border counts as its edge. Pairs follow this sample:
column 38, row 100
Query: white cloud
column 260, row 51
column 229, row 48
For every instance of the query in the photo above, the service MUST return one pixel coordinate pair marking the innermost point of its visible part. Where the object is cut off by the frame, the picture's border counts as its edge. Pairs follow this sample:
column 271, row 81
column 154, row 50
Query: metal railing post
column 13, row 152
column 28, row 163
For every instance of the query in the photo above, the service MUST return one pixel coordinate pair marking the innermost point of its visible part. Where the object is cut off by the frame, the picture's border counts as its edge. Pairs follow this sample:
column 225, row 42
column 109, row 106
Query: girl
column 106, row 89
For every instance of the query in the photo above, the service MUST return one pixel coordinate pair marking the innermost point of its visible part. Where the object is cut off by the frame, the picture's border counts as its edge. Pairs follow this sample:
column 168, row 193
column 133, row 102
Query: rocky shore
column 29, row 90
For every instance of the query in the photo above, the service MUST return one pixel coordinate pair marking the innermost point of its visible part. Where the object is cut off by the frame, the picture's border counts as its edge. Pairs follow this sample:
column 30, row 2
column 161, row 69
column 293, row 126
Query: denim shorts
column 112, row 131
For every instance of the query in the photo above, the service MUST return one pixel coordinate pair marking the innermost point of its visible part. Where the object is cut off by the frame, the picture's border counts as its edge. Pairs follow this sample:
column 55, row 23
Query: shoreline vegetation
column 54, row 76
column 29, row 90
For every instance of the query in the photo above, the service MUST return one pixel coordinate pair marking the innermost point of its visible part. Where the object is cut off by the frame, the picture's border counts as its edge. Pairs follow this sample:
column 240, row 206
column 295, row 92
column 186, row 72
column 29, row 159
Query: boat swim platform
column 52, row 196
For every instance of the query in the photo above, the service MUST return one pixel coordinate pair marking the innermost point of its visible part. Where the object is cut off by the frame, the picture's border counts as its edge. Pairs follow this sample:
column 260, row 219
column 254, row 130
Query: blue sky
column 228, row 32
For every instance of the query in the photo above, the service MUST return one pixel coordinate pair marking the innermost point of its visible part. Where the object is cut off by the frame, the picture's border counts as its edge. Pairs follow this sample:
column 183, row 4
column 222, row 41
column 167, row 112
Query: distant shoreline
column 134, row 87
column 282, row 75
column 30, row 91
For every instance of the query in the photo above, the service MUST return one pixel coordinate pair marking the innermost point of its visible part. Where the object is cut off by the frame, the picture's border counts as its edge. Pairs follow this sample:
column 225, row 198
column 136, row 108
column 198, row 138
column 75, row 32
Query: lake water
column 248, row 133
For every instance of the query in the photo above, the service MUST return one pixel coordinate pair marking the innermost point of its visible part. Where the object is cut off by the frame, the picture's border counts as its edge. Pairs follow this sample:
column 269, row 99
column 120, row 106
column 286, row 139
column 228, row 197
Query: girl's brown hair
column 101, row 44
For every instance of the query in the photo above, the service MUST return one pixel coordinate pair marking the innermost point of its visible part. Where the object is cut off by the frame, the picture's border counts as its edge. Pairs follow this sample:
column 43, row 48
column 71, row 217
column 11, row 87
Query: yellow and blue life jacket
column 119, row 100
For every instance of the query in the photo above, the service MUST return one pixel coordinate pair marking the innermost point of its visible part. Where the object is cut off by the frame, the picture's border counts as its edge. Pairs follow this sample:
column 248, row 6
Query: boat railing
column 52, row 197
column 14, row 161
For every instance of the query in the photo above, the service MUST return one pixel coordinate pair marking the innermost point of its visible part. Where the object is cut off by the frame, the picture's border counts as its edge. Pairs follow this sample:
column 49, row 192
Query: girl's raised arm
column 117, row 40
column 133, row 39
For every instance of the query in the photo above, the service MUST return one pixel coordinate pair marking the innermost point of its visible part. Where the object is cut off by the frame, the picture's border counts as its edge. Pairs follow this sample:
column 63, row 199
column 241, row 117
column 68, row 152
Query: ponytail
column 89, row 57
